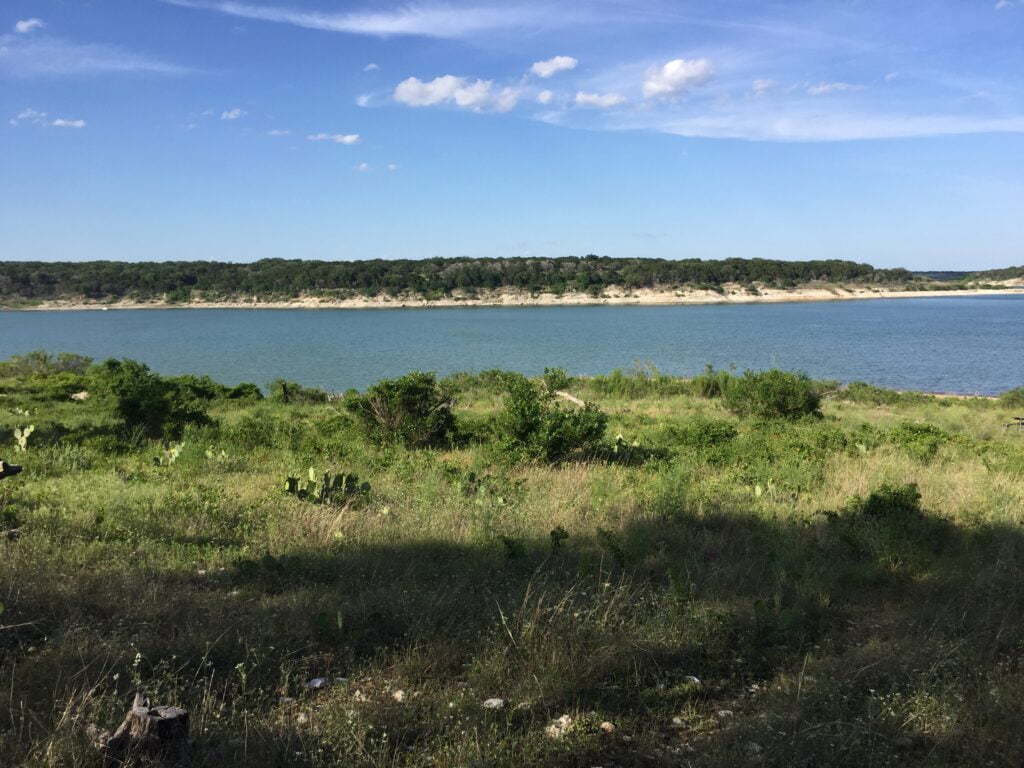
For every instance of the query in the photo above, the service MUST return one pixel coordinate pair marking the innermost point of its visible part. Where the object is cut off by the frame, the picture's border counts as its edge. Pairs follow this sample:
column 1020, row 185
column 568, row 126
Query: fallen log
column 8, row 470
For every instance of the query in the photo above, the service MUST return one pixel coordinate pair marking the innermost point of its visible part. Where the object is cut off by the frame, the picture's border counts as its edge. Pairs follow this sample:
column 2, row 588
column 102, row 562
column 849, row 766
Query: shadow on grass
column 908, row 607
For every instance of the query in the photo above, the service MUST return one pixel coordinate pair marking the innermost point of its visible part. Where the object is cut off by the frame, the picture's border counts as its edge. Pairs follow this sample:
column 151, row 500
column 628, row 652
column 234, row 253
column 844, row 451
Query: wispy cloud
column 443, row 21
column 62, row 122
column 599, row 100
column 278, row 132
column 822, row 89
column 29, row 115
column 25, row 26
column 232, row 114
column 553, row 65
column 336, row 138
column 362, row 167
column 35, row 56
column 762, row 85
column 545, row 97
column 371, row 67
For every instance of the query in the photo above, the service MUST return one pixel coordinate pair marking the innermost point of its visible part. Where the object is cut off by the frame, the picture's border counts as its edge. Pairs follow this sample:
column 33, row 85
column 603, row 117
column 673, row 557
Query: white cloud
column 599, row 100
column 28, row 25
column 506, row 100
column 476, row 95
column 1001, row 4
column 363, row 100
column 553, row 65
column 363, row 167
column 232, row 114
column 28, row 115
column 443, row 21
column 278, row 132
column 821, row 89
column 545, row 97
column 35, row 56
column 371, row 67
column 61, row 122
column 392, row 167
column 891, row 76
column 336, row 138
column 761, row 86
column 676, row 76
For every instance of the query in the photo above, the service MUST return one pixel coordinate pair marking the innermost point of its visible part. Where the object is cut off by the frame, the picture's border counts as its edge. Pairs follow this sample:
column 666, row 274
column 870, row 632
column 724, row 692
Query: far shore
column 613, row 297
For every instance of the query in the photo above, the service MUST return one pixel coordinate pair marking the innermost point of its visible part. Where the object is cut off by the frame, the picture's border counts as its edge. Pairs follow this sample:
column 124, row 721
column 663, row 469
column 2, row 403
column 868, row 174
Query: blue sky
column 891, row 133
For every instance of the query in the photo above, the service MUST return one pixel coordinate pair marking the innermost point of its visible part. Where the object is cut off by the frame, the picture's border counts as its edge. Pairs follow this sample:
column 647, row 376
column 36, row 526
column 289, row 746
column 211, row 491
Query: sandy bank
column 613, row 297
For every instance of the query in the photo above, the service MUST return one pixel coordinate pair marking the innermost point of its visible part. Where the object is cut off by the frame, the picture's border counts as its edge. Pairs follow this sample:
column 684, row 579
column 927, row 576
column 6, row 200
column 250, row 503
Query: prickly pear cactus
column 21, row 435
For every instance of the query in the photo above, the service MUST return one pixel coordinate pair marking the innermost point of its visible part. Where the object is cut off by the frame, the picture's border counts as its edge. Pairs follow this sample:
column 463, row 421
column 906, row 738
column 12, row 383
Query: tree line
column 432, row 278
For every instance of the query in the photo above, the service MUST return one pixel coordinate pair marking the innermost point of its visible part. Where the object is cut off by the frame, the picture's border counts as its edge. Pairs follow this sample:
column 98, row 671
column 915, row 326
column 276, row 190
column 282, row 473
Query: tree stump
column 159, row 734
column 8, row 470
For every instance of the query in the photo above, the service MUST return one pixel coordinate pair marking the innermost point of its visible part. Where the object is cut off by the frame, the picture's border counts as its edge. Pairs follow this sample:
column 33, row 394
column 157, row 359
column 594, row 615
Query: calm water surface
column 962, row 344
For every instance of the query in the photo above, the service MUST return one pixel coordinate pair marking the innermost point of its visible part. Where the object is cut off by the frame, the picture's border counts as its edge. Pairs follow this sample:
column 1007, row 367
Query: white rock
column 607, row 727
column 692, row 680
column 398, row 696
column 317, row 683
column 494, row 704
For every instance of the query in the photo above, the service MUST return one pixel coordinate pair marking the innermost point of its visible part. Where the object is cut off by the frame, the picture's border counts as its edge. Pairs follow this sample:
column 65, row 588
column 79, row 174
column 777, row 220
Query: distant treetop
column 431, row 278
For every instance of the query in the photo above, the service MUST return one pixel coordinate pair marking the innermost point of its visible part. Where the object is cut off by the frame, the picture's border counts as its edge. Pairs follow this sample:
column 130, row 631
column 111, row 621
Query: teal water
column 961, row 344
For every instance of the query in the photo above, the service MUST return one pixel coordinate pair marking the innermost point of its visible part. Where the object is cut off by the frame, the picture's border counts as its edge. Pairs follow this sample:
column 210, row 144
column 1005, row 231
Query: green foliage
column 244, row 391
column 772, row 394
column 922, row 441
column 143, row 400
column 279, row 278
column 702, row 432
column 556, row 379
column 414, row 411
column 326, row 487
column 711, row 383
column 641, row 382
column 42, row 363
column 534, row 425
column 887, row 501
column 1013, row 398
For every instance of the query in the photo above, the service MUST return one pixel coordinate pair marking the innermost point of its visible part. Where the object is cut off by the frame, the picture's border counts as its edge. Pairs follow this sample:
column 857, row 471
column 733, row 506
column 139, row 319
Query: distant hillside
column 991, row 275
column 943, row 276
column 431, row 278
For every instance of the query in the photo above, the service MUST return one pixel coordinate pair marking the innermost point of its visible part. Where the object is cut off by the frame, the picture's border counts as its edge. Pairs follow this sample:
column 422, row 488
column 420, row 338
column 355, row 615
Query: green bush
column 42, row 363
column 887, row 502
column 534, row 425
column 711, row 383
column 772, row 394
column 702, row 432
column 556, row 379
column 413, row 410
column 142, row 400
column 1014, row 398
column 244, row 391
column 922, row 441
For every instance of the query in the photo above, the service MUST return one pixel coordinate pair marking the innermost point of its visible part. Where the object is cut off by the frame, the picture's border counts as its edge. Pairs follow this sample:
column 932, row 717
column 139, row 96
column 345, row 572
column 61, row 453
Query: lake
column 962, row 344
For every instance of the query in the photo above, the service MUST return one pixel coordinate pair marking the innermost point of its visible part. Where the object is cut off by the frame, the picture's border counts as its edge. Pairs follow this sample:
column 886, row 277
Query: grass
column 823, row 632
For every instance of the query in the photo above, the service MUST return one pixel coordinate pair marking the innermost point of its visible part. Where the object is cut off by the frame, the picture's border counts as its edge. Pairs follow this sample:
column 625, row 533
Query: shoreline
column 642, row 297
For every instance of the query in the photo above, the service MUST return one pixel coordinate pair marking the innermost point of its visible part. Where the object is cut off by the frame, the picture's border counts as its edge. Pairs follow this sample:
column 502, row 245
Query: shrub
column 413, row 410
column 704, row 433
column 145, row 401
column 556, row 379
column 244, row 391
column 535, row 425
column 772, row 394
column 888, row 501
column 922, row 441
column 1013, row 398
column 42, row 363
column 711, row 383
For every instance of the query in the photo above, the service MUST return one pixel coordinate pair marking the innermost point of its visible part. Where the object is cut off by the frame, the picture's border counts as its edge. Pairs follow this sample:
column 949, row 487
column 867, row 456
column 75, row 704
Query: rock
column 80, row 397
column 398, row 696
column 494, row 704
column 677, row 722
column 724, row 713
column 607, row 727
column 692, row 680
column 558, row 728
column 317, row 683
